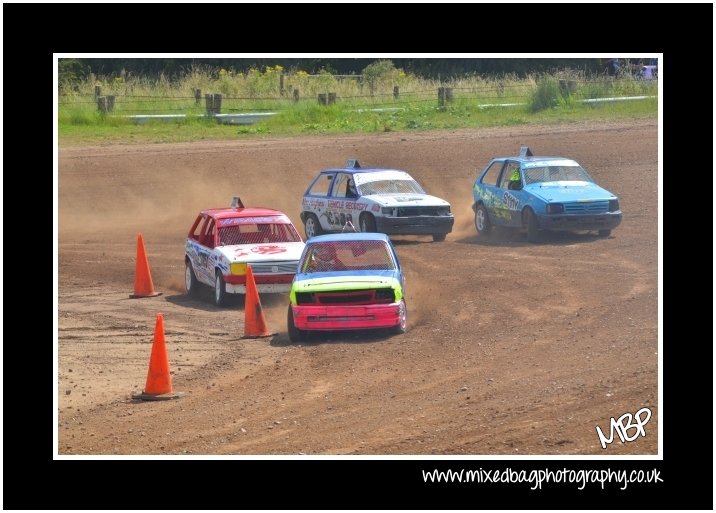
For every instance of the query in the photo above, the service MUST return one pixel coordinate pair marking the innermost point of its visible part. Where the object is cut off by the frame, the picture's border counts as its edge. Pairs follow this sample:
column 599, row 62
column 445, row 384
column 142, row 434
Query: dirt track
column 512, row 348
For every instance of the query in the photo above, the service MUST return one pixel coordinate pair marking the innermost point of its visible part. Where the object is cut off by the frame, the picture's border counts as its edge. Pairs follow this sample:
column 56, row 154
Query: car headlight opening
column 613, row 205
column 555, row 208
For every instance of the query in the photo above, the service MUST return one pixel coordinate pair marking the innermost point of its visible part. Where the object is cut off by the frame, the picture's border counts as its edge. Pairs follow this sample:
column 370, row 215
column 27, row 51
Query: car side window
column 208, row 237
column 322, row 185
column 340, row 186
column 195, row 232
column 493, row 173
column 510, row 169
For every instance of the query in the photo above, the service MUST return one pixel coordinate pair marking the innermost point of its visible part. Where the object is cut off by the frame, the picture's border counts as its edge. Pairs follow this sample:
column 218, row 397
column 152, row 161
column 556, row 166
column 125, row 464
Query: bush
column 379, row 72
column 546, row 95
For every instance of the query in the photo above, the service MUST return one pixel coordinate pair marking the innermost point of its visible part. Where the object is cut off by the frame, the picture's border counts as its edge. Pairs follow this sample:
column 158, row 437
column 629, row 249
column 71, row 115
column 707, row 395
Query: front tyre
column 294, row 334
column 190, row 281
column 532, row 226
column 367, row 223
column 482, row 221
column 312, row 226
column 402, row 325
column 219, row 289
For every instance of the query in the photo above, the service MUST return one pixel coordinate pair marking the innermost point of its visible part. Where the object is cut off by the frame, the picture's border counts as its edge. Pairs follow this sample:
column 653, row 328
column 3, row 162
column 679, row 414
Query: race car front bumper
column 605, row 221
column 416, row 225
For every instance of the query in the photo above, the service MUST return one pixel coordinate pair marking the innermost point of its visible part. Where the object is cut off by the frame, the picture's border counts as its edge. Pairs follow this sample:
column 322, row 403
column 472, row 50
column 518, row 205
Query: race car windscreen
column 250, row 233
column 390, row 187
column 556, row 174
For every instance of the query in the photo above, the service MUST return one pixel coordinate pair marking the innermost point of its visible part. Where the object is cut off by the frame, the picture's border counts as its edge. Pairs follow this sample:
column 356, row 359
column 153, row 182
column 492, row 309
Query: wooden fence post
column 197, row 96
column 217, row 103
column 396, row 92
column 110, row 103
column 209, row 103
column 295, row 95
column 448, row 94
column 281, row 90
column 322, row 100
column 441, row 97
column 331, row 98
column 102, row 104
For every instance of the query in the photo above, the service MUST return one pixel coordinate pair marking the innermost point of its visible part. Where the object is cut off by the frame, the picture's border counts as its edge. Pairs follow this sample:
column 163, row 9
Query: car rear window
column 347, row 256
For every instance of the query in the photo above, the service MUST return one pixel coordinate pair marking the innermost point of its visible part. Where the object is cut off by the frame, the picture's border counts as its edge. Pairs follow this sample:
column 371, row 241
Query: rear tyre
column 482, row 221
column 219, row 289
column 190, row 281
column 605, row 233
column 294, row 334
column 532, row 226
column 402, row 325
column 439, row 237
column 312, row 226
column 367, row 223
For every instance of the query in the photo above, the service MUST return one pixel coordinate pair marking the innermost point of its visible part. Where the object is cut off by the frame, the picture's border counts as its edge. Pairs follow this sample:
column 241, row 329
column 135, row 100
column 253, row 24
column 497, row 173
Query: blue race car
column 541, row 193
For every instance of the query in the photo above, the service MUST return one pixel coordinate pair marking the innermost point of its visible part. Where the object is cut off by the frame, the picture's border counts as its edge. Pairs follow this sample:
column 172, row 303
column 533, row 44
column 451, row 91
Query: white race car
column 380, row 200
column 223, row 241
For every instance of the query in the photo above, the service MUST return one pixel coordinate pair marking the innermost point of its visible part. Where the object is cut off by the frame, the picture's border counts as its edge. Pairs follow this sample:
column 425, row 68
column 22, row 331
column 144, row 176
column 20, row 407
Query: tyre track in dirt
column 512, row 348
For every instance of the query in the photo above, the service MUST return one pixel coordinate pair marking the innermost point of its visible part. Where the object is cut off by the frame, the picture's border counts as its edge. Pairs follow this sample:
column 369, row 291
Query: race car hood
column 407, row 200
column 268, row 252
column 566, row 191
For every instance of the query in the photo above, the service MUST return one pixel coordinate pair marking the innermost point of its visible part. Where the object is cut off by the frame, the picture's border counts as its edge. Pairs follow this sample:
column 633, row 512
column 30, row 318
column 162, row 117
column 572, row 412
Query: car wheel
column 532, row 226
column 402, row 325
column 367, row 223
column 605, row 233
column 312, row 226
column 439, row 237
column 190, row 281
column 219, row 289
column 294, row 334
column 482, row 221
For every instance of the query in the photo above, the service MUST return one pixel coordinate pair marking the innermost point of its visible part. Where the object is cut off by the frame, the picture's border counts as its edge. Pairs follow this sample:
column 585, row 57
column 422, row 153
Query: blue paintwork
column 575, row 200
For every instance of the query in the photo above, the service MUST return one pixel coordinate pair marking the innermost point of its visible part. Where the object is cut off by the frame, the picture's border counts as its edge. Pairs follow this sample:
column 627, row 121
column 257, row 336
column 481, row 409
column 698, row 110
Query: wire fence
column 496, row 93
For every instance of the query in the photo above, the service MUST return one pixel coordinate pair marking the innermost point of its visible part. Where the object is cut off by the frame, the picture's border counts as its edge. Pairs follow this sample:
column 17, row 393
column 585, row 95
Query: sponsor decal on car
column 511, row 201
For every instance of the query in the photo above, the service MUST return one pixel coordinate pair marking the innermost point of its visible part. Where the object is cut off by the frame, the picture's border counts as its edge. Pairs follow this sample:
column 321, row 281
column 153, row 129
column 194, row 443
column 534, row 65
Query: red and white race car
column 223, row 241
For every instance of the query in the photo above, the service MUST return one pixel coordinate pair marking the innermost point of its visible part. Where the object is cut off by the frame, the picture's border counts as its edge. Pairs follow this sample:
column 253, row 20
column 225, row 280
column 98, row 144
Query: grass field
column 388, row 100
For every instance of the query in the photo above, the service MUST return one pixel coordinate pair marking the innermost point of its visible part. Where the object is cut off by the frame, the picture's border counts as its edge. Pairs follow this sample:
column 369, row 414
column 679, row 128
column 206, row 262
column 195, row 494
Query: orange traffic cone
column 255, row 323
column 159, row 380
column 143, row 286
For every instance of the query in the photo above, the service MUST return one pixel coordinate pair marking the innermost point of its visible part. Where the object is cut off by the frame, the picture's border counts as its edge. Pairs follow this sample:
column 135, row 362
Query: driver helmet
column 325, row 252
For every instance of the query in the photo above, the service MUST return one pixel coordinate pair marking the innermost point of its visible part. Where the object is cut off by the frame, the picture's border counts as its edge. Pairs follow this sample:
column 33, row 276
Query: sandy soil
column 512, row 348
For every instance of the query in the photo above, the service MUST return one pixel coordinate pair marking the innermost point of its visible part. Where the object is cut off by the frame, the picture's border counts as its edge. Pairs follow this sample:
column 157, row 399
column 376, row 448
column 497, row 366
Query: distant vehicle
column 649, row 72
column 380, row 200
column 541, row 193
column 223, row 241
column 347, row 281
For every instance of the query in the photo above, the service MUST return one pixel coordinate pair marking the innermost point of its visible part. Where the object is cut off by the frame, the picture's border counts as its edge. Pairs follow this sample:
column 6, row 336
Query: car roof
column 526, row 157
column 227, row 213
column 360, row 170
column 538, row 159
column 338, row 237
